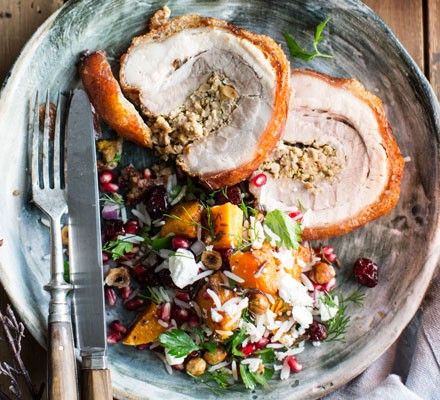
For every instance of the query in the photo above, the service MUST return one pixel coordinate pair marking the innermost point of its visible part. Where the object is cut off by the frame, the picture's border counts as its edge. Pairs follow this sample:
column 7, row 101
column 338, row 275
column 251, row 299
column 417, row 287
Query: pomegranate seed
column 180, row 314
column 248, row 349
column 179, row 242
column 114, row 337
column 140, row 273
column 134, row 304
column 105, row 257
column 165, row 312
column 262, row 343
column 117, row 326
column 327, row 250
column 142, row 346
column 259, row 180
column 294, row 365
column 193, row 321
column 184, row 296
column 105, row 177
column 317, row 331
column 296, row 215
column 147, row 173
column 110, row 295
column 125, row 292
column 109, row 187
column 330, row 257
column 132, row 227
column 366, row 272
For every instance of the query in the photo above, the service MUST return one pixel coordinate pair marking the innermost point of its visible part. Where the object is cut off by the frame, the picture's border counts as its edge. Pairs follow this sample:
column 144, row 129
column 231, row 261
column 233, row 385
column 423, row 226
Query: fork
column 48, row 193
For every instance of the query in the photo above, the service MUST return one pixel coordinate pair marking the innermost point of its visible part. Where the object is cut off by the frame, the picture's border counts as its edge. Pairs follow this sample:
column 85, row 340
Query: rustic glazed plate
column 405, row 243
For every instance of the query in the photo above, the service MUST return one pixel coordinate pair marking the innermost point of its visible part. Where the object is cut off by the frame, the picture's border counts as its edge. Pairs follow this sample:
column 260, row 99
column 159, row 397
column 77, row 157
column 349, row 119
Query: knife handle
column 96, row 384
column 62, row 362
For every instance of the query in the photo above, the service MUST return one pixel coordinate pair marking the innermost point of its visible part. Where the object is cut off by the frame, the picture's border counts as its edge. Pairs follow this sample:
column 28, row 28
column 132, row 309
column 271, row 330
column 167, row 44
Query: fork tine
column 46, row 156
column 35, row 131
column 57, row 171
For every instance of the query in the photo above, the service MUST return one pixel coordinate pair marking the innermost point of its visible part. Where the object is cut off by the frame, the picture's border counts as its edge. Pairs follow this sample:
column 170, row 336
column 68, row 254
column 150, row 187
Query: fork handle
column 62, row 363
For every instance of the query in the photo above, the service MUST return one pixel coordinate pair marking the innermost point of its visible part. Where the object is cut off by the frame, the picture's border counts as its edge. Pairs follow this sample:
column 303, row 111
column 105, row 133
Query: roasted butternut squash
column 145, row 329
column 227, row 225
column 183, row 220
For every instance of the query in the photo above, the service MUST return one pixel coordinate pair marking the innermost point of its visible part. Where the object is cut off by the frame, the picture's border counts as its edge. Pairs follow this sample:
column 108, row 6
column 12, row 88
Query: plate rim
column 364, row 358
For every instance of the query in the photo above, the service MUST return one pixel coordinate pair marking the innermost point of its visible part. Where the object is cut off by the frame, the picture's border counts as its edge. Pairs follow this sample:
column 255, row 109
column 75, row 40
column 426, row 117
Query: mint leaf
column 288, row 230
column 178, row 343
column 296, row 51
column 118, row 248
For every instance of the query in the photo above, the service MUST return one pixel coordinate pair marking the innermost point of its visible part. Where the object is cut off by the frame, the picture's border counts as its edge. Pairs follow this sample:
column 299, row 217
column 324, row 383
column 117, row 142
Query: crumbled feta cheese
column 215, row 315
column 293, row 292
column 286, row 258
column 183, row 268
column 173, row 360
column 302, row 315
column 328, row 311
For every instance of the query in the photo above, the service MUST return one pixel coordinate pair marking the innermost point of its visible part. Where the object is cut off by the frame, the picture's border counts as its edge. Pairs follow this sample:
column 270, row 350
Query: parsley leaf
column 267, row 355
column 118, row 248
column 178, row 343
column 209, row 346
column 236, row 340
column 297, row 51
column 288, row 230
column 246, row 377
column 158, row 243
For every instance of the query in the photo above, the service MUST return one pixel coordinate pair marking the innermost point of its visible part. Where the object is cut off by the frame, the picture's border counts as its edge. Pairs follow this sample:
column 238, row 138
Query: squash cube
column 183, row 219
column 227, row 225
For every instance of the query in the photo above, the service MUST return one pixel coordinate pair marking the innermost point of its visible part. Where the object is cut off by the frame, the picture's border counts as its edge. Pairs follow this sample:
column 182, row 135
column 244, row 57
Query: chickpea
column 216, row 356
column 196, row 366
column 258, row 302
column 322, row 273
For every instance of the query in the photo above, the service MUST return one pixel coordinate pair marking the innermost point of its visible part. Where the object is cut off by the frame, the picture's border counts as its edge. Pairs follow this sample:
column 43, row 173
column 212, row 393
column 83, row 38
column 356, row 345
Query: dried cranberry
column 179, row 242
column 317, row 331
column 112, row 228
column 140, row 273
column 163, row 278
column 156, row 201
column 366, row 272
column 132, row 227
column 229, row 195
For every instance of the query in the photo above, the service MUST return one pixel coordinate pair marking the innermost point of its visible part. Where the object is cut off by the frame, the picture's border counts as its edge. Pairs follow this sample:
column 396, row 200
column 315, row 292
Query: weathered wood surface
column 415, row 22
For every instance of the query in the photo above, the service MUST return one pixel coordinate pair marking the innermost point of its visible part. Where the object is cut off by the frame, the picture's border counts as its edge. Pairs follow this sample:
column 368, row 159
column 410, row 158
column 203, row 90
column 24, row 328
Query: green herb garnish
column 234, row 341
column 157, row 295
column 251, row 379
column 178, row 343
column 158, row 243
column 337, row 326
column 288, row 230
column 114, row 198
column 216, row 381
column 297, row 51
column 118, row 248
column 267, row 355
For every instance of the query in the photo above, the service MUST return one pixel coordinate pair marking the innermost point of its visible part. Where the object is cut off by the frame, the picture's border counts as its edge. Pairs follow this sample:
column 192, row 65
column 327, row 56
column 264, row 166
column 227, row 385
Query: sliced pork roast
column 214, row 95
column 338, row 157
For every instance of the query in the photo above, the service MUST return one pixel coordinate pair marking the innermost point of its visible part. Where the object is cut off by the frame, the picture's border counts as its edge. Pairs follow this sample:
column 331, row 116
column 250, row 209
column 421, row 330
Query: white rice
column 316, row 344
column 307, row 282
column 254, row 363
column 218, row 366
column 202, row 275
column 182, row 304
column 162, row 323
column 285, row 372
column 214, row 297
column 158, row 223
column 124, row 214
column 144, row 220
column 281, row 355
column 215, row 315
column 167, row 366
column 131, row 238
column 407, row 159
column 199, row 232
column 277, row 367
column 234, row 277
column 234, row 370
column 275, row 345
column 154, row 345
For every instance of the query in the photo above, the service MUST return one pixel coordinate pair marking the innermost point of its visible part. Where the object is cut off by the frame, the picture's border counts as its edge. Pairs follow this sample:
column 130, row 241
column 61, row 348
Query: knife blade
column 85, row 254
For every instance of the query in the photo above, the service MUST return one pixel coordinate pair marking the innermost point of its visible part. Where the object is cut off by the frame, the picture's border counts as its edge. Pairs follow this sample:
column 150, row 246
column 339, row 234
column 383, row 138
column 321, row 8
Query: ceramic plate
column 404, row 243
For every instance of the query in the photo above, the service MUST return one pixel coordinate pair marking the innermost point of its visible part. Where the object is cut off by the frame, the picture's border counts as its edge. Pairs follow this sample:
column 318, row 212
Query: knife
column 85, row 254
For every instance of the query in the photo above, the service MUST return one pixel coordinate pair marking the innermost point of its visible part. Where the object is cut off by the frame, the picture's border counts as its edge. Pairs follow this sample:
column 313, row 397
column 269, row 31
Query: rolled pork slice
column 216, row 95
column 338, row 157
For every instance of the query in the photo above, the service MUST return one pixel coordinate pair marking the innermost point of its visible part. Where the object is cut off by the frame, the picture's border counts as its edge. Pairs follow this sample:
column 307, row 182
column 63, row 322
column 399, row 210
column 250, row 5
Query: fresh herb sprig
column 296, row 51
column 179, row 344
column 288, row 230
column 117, row 248
column 252, row 379
column 338, row 326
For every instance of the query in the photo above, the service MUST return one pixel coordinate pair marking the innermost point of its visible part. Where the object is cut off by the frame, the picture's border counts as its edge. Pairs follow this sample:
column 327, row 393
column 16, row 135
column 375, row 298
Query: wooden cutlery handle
column 62, row 363
column 96, row 384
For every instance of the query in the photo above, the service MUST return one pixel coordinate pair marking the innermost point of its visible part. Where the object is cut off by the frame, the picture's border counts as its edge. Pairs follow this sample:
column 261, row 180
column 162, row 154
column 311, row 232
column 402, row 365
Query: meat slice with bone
column 215, row 95
column 338, row 157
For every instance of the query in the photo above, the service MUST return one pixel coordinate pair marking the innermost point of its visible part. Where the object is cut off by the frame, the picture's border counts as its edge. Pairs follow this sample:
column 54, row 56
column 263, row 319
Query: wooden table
column 415, row 22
